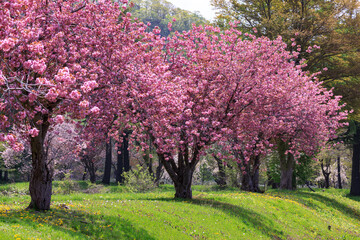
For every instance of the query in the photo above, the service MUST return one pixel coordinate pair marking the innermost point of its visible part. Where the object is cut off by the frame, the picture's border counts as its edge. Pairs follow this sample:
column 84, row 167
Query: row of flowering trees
column 62, row 60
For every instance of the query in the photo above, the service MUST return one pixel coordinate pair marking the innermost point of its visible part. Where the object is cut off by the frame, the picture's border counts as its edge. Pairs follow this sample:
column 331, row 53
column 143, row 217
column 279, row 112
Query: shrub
column 139, row 180
column 67, row 185
column 11, row 190
column 95, row 188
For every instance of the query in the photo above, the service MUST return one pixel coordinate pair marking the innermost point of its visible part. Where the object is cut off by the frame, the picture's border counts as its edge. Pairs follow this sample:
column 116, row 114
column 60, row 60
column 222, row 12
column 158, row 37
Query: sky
column 202, row 6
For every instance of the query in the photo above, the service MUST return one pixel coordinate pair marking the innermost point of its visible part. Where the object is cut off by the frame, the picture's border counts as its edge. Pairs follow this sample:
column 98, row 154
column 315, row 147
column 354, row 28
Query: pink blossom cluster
column 65, row 76
column 52, row 95
column 75, row 95
column 36, row 47
column 14, row 143
column 7, row 44
column 37, row 66
column 33, row 132
column 89, row 86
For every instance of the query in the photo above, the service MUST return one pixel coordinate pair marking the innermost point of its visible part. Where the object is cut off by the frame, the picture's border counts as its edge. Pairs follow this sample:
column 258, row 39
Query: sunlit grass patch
column 227, row 214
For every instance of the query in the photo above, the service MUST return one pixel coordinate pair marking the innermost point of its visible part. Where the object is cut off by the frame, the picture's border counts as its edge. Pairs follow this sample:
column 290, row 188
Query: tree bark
column 91, row 170
column 123, row 159
column 286, row 166
column 159, row 171
column 149, row 161
column 183, row 184
column 339, row 173
column 355, row 171
column 181, row 173
column 108, row 161
column 293, row 182
column 6, row 176
column 119, row 166
column 89, row 167
column 84, row 175
column 221, row 177
column 326, row 174
column 286, row 176
column 41, row 174
column 92, row 175
column 250, row 175
column 126, row 157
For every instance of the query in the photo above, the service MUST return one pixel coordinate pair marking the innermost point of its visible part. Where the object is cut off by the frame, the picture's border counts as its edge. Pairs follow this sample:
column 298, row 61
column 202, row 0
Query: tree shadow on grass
column 345, row 209
column 355, row 198
column 75, row 224
column 250, row 218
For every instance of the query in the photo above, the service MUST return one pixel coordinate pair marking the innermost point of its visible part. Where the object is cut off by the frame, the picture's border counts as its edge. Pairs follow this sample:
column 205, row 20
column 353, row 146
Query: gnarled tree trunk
column 250, row 175
column 183, row 183
column 41, row 174
column 181, row 173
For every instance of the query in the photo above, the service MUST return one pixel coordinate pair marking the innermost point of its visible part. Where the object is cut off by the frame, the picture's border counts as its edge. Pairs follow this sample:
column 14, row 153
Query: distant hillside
column 160, row 13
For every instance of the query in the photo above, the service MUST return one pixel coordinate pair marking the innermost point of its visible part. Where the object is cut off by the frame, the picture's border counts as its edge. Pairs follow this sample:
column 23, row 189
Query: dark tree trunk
column 159, row 171
column 182, row 172
column 149, row 161
column 355, row 172
column 326, row 172
column 272, row 183
column 150, row 167
column 339, row 173
column 108, row 162
column 287, row 163
column 6, row 176
column 92, row 175
column 1, row 175
column 250, row 175
column 183, row 184
column 89, row 167
column 126, row 157
column 119, row 165
column 221, row 177
column 286, row 176
column 84, row 175
column 41, row 174
column 294, row 183
column 123, row 159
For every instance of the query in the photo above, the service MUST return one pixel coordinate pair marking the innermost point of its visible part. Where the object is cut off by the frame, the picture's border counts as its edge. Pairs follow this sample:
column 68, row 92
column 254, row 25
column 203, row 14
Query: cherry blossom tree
column 213, row 86
column 301, row 121
column 51, row 59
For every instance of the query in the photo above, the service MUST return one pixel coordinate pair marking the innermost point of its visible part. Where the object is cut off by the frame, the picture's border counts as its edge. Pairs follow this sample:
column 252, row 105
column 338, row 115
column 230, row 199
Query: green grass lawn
column 227, row 214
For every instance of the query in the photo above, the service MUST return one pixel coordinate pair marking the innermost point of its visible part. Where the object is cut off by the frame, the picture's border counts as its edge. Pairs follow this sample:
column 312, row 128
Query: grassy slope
column 211, row 215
